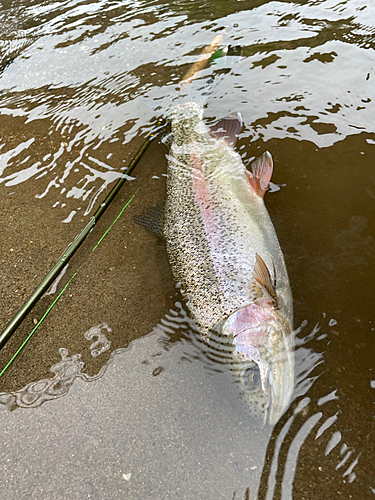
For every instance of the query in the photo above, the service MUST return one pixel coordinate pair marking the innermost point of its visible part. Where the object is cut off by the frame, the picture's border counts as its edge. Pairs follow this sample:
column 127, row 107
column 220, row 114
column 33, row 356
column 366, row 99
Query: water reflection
column 65, row 372
column 181, row 409
column 74, row 83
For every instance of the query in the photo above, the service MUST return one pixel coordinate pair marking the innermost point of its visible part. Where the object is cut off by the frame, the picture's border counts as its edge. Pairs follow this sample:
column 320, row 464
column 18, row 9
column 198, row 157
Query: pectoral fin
column 152, row 219
column 262, row 169
column 262, row 276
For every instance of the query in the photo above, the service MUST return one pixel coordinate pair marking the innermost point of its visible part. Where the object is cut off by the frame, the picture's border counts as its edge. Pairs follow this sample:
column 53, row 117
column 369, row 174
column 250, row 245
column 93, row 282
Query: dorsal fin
column 262, row 169
column 152, row 219
column 228, row 129
column 262, row 275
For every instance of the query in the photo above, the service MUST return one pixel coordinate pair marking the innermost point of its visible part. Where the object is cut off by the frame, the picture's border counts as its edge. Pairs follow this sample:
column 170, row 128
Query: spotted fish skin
column 215, row 226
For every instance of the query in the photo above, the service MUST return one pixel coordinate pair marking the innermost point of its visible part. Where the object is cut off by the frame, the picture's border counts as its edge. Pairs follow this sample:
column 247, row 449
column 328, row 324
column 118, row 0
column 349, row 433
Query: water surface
column 74, row 79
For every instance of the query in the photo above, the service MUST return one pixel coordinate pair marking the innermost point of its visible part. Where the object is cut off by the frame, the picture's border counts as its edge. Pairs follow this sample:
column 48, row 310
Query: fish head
column 263, row 360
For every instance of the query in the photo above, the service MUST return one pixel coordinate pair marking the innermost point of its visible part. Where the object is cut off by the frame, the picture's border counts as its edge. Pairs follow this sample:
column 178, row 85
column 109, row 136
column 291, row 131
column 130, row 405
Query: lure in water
column 226, row 258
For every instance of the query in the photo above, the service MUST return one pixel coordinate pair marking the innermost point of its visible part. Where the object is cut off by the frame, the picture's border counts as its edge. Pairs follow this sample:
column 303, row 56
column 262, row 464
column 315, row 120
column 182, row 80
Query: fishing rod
column 72, row 247
column 77, row 242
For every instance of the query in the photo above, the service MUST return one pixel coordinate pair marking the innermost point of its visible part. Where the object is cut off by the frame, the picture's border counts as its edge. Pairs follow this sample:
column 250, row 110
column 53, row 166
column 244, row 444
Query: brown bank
column 124, row 283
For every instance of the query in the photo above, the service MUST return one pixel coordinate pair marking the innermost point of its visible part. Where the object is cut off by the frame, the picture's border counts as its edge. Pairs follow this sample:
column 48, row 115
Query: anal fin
column 228, row 129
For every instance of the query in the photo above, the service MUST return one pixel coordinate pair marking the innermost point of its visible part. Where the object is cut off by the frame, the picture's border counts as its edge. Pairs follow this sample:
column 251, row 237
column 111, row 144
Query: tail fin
column 191, row 89
column 227, row 57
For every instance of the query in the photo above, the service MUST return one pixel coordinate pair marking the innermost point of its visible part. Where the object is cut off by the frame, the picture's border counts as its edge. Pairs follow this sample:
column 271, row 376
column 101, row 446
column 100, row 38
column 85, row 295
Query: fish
column 225, row 255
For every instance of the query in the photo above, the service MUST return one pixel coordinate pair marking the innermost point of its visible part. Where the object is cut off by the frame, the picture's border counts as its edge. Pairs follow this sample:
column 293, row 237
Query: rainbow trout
column 226, row 258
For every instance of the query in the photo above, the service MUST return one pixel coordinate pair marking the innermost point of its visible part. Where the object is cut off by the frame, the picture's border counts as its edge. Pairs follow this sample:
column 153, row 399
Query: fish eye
column 251, row 379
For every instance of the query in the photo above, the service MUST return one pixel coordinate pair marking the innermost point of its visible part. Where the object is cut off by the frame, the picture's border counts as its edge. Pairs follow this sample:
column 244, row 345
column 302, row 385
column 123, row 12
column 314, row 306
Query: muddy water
column 160, row 421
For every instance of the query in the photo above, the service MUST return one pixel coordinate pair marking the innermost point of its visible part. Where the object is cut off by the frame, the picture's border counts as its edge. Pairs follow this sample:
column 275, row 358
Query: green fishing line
column 110, row 227
column 63, row 290
column 40, row 321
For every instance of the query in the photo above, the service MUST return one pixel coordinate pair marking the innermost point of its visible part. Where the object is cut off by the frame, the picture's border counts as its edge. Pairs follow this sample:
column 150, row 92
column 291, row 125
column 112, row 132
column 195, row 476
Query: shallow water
column 74, row 79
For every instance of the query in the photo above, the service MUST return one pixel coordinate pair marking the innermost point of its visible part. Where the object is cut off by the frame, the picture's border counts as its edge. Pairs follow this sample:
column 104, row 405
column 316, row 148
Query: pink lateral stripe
column 203, row 197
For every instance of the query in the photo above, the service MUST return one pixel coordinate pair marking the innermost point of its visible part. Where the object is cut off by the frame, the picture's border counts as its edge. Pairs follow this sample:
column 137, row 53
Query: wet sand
column 126, row 274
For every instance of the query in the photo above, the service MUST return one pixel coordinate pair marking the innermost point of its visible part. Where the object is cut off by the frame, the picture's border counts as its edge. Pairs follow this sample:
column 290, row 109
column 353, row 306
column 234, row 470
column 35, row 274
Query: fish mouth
column 281, row 383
